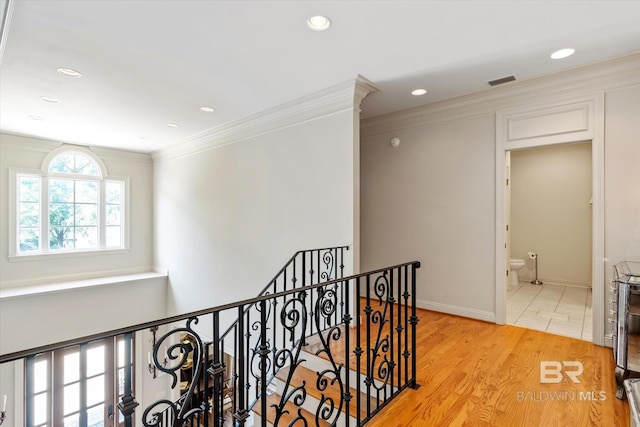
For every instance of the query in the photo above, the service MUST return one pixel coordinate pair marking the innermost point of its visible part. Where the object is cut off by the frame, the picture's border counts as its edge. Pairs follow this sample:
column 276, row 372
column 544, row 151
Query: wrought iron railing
column 329, row 353
column 307, row 267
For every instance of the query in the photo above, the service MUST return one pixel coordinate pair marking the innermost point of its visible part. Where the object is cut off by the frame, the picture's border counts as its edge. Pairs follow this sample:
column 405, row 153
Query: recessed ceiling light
column 318, row 23
column 207, row 109
column 34, row 117
column 562, row 53
column 69, row 72
column 418, row 92
column 172, row 125
column 49, row 99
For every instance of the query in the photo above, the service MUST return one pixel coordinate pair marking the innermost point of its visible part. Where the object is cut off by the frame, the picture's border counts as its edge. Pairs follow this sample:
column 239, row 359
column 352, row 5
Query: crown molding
column 109, row 154
column 28, row 143
column 607, row 75
column 324, row 103
column 45, row 146
column 364, row 87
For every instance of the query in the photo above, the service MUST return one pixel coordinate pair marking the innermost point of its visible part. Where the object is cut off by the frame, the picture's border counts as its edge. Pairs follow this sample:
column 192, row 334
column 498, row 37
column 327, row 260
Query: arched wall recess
column 563, row 121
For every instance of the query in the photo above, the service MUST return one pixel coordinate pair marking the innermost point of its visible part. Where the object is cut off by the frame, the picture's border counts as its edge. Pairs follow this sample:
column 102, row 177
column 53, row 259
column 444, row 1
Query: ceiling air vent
column 502, row 80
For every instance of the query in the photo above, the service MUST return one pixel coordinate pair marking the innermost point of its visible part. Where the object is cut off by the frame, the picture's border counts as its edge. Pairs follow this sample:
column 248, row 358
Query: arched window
column 73, row 162
column 70, row 205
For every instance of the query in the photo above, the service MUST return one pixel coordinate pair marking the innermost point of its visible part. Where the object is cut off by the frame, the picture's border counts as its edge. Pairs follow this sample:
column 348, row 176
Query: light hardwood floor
column 474, row 373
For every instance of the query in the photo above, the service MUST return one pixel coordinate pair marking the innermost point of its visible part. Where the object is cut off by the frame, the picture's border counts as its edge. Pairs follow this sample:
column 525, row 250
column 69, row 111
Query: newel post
column 413, row 320
column 128, row 403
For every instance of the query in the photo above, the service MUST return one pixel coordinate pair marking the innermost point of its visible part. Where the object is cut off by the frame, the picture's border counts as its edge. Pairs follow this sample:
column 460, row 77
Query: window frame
column 55, row 384
column 44, row 175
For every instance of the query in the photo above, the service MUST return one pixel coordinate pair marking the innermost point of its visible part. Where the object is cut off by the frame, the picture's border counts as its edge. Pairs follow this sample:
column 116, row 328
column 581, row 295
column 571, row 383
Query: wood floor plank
column 474, row 373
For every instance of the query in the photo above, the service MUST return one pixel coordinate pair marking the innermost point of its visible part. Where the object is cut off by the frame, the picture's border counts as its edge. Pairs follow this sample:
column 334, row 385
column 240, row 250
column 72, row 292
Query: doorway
column 549, row 224
column 565, row 120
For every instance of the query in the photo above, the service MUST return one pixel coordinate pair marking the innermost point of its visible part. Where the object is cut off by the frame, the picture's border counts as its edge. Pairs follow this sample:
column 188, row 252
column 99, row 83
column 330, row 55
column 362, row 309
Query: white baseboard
column 564, row 282
column 486, row 316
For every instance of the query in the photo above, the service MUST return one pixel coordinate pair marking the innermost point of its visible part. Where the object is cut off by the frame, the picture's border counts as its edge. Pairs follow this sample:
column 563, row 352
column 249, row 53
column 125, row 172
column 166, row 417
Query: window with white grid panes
column 69, row 206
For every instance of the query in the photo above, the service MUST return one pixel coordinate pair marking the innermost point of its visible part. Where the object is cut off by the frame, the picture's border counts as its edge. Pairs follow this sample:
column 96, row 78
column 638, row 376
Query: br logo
column 554, row 372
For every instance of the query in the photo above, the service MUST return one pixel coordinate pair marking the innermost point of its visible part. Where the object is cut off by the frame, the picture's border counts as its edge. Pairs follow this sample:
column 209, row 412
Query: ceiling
column 145, row 64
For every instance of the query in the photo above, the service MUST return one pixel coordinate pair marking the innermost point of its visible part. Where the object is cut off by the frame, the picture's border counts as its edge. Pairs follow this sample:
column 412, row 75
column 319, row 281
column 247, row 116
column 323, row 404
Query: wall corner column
column 363, row 87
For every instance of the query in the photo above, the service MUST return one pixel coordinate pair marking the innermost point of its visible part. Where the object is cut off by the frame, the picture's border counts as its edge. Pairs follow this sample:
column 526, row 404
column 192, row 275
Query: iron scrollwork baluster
column 259, row 362
column 326, row 306
column 379, row 317
column 291, row 317
column 329, row 261
column 186, row 408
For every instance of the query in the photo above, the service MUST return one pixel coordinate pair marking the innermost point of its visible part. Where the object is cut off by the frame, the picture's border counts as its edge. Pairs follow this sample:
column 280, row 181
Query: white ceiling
column 148, row 63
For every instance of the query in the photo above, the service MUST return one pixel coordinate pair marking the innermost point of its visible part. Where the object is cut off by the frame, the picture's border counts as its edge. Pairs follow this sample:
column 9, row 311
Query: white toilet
column 515, row 264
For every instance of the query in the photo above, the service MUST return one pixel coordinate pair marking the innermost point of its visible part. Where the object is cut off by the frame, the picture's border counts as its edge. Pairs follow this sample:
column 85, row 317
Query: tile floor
column 557, row 309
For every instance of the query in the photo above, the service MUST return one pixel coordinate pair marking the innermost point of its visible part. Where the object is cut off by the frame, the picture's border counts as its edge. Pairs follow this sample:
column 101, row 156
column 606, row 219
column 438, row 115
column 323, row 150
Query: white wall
column 550, row 211
column 227, row 218
column 427, row 200
column 622, row 184
column 622, row 162
column 433, row 199
column 233, row 204
column 42, row 318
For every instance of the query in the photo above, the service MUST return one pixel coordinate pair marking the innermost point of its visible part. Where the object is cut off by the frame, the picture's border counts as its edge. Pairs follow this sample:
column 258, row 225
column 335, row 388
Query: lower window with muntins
column 77, row 386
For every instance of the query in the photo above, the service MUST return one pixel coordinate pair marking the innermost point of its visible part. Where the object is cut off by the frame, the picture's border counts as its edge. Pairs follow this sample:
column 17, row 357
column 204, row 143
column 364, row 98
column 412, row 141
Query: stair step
column 291, row 412
column 314, row 344
column 310, row 377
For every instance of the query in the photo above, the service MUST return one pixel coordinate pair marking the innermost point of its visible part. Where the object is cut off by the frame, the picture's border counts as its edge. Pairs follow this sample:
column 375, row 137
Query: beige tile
column 521, row 299
column 587, row 325
column 515, row 310
column 576, row 319
column 549, row 288
column 513, row 290
column 544, row 304
column 575, row 295
column 535, row 323
column 565, row 329
column 528, row 289
column 557, row 309
column 588, row 315
column 575, row 315
column 552, row 315
column 531, row 320
column 549, row 294
column 512, row 319
column 571, row 307
column 519, row 303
